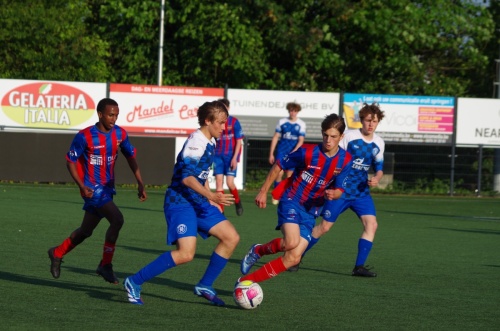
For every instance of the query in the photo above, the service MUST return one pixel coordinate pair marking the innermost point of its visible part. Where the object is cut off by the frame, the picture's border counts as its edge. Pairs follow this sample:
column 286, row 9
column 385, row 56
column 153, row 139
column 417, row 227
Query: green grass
column 436, row 257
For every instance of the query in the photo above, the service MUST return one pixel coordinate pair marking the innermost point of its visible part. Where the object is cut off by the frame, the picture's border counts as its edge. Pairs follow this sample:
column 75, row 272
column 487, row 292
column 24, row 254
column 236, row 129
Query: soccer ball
column 248, row 295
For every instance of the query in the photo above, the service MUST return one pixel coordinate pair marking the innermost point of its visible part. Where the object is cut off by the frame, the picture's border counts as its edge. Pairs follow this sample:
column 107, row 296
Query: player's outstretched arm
column 261, row 198
column 373, row 182
column 87, row 191
column 132, row 163
column 218, row 198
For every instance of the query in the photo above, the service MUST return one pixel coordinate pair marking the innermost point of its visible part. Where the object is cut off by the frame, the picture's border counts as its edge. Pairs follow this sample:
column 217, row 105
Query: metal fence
column 406, row 167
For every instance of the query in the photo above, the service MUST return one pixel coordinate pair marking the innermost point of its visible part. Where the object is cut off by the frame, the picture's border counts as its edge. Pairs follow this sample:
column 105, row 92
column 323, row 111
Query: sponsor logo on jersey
column 204, row 174
column 96, row 160
column 181, row 229
column 358, row 164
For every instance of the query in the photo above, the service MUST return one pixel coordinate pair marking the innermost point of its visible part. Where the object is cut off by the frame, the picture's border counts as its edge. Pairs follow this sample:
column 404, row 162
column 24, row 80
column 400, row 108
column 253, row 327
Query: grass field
column 437, row 259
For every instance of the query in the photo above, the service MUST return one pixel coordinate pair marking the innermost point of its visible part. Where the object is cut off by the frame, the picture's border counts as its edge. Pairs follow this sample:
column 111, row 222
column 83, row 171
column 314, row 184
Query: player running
column 367, row 149
column 91, row 162
column 191, row 208
column 319, row 173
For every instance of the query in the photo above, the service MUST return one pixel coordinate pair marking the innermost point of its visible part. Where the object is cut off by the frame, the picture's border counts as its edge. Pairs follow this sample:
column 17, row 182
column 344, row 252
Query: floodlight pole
column 160, row 48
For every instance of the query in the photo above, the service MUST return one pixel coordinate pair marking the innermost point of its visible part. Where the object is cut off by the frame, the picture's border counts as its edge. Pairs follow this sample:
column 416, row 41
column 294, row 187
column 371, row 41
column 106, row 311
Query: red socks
column 272, row 247
column 267, row 271
column 64, row 248
column 108, row 252
column 235, row 195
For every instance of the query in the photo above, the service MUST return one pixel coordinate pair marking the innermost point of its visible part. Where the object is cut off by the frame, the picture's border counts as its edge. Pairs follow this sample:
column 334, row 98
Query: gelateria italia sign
column 48, row 105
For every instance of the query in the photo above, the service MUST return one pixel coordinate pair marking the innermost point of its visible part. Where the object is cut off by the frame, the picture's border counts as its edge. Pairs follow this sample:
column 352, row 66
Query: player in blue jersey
column 319, row 172
column 227, row 155
column 289, row 135
column 91, row 162
column 367, row 149
column 191, row 208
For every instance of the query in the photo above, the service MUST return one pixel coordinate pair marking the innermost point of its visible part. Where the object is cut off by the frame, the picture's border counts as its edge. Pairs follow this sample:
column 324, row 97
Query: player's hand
column 271, row 160
column 222, row 199
column 261, row 200
column 141, row 194
column 329, row 194
column 333, row 194
column 233, row 165
column 372, row 182
column 88, row 192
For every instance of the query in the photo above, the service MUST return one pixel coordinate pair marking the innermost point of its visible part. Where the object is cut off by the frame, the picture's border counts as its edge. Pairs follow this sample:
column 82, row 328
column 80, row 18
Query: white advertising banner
column 40, row 105
column 161, row 110
column 408, row 118
column 260, row 110
column 478, row 122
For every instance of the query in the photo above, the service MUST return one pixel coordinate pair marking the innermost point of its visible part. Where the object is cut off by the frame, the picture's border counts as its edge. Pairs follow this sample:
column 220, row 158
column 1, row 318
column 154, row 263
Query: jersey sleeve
column 344, row 173
column 293, row 160
column 302, row 132
column 378, row 160
column 278, row 127
column 191, row 155
column 238, row 131
column 126, row 147
column 77, row 148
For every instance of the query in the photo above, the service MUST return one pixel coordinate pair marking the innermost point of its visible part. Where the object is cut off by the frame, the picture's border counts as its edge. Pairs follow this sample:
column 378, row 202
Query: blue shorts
column 222, row 166
column 361, row 206
column 185, row 221
column 102, row 195
column 291, row 212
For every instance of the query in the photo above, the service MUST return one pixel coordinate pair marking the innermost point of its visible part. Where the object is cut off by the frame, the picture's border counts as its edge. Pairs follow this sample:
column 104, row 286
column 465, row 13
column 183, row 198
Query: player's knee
column 290, row 244
column 184, row 257
column 117, row 221
column 233, row 240
column 371, row 225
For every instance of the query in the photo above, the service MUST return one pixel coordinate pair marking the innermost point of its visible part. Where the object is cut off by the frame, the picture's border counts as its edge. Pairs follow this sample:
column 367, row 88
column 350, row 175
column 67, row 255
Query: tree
column 216, row 43
column 428, row 47
column 48, row 40
column 131, row 30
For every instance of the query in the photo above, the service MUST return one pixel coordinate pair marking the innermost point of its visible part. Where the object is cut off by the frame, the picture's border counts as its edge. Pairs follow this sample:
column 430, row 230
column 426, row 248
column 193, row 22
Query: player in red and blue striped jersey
column 367, row 149
column 91, row 162
column 227, row 155
column 319, row 173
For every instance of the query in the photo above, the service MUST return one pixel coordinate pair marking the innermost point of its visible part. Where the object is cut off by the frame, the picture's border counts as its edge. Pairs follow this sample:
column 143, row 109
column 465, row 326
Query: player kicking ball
column 367, row 149
column 319, row 172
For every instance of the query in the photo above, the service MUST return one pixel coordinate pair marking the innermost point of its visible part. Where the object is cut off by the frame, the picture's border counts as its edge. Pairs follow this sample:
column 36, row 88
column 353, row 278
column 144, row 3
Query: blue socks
column 153, row 269
column 215, row 267
column 313, row 242
column 364, row 248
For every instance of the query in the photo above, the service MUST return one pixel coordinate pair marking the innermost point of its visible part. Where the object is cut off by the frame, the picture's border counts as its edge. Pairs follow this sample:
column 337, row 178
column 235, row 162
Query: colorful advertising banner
column 40, row 105
column 408, row 119
column 161, row 110
column 478, row 122
column 260, row 110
